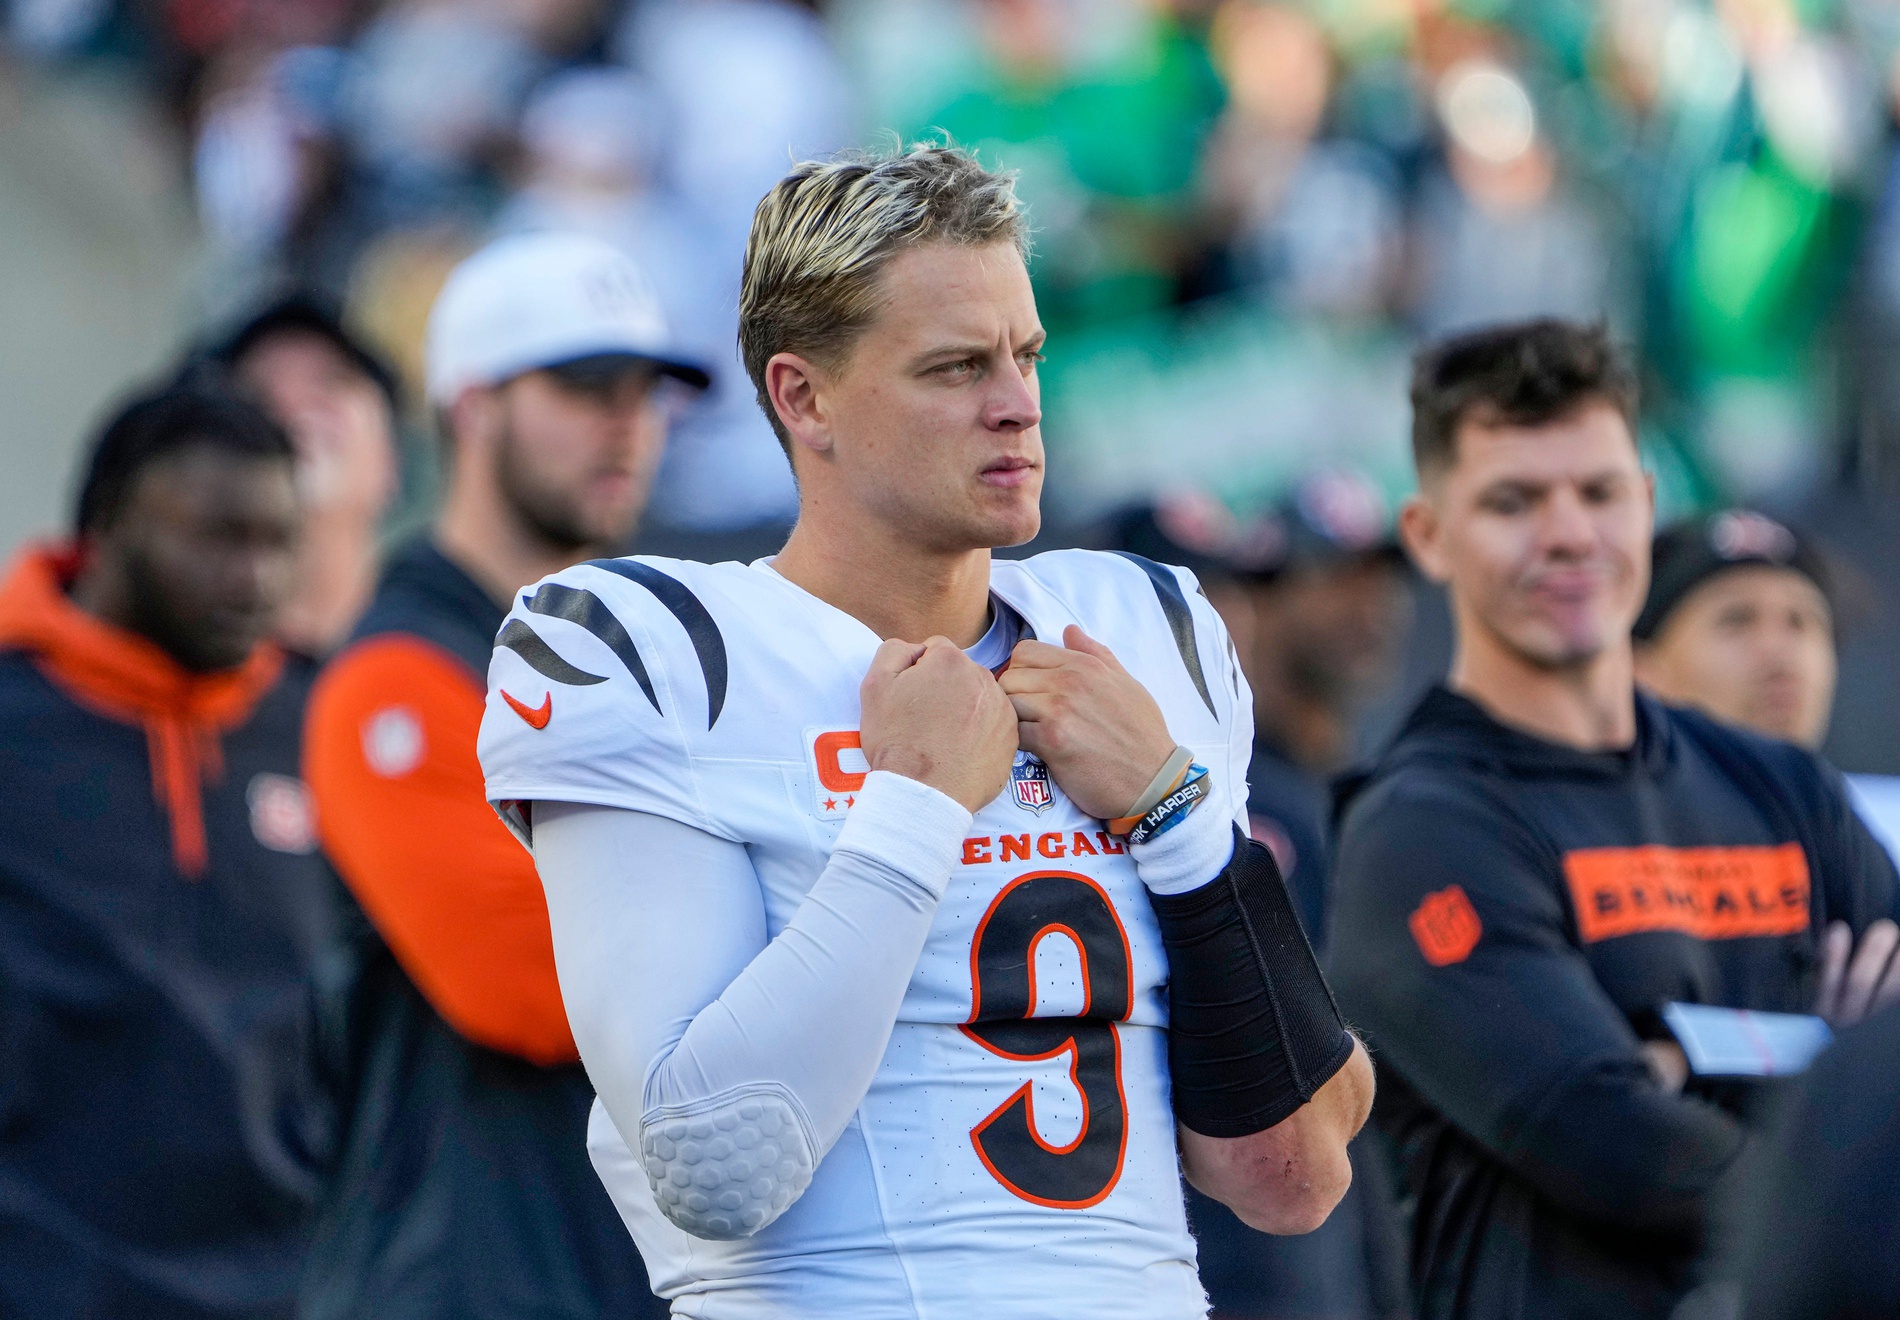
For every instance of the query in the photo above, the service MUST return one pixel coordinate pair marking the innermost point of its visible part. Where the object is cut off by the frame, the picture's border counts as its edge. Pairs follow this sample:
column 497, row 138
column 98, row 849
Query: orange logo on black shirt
column 1446, row 926
column 1710, row 893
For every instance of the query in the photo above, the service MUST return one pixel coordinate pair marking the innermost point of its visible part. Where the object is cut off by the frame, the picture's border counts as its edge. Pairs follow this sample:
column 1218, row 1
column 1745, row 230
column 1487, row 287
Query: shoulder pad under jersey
column 1111, row 591
column 601, row 677
column 1164, row 629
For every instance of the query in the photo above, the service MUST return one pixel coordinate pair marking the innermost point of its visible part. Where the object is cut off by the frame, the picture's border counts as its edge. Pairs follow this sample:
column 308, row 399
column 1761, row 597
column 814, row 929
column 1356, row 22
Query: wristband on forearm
column 1174, row 808
column 1253, row 1031
column 1173, row 772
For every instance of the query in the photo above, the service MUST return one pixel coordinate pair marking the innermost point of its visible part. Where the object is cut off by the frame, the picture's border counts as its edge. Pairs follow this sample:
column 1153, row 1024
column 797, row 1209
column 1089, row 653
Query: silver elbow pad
column 725, row 1170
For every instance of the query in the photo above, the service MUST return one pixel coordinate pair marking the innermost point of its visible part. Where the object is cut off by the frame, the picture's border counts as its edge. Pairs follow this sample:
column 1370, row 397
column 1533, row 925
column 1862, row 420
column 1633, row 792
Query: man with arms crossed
column 1546, row 858
column 861, row 945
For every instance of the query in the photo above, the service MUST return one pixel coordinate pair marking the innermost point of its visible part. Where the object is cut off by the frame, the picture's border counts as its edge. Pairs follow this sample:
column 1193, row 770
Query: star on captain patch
column 835, row 758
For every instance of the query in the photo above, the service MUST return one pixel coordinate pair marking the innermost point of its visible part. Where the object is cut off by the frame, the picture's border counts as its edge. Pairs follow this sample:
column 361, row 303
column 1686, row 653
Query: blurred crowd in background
column 1246, row 213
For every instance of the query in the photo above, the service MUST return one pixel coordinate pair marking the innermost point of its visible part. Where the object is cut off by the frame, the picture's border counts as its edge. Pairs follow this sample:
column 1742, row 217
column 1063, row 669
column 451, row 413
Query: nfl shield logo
column 1029, row 781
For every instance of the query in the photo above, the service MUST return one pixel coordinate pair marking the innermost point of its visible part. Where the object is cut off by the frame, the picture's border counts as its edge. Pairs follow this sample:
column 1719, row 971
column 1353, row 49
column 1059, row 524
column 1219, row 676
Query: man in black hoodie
column 1545, row 858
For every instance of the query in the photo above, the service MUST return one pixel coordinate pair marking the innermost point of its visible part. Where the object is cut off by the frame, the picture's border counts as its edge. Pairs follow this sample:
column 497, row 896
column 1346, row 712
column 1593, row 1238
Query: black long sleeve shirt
column 1510, row 917
column 163, row 1128
column 1827, row 1205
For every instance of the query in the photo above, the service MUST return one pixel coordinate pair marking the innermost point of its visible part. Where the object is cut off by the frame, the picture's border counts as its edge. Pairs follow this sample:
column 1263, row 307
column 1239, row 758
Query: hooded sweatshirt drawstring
column 184, row 759
column 127, row 678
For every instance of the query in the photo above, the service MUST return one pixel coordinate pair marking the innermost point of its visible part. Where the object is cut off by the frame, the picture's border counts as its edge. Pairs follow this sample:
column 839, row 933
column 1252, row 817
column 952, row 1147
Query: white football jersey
column 1015, row 1155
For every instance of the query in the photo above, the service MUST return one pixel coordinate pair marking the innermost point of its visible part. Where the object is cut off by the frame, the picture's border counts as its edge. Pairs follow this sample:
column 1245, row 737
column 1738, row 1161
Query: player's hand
column 1667, row 1064
column 1096, row 728
column 1851, row 988
column 932, row 714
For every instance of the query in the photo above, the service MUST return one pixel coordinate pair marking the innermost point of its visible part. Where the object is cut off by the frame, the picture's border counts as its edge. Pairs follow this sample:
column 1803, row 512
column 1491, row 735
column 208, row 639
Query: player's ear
column 793, row 384
column 475, row 415
column 1419, row 527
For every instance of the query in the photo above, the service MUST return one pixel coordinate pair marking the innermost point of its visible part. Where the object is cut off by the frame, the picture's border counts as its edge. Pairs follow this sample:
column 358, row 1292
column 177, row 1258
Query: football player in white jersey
column 897, row 899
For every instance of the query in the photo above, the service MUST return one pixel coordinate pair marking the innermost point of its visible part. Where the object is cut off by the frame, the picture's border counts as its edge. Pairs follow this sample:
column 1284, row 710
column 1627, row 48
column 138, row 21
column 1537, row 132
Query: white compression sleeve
column 730, row 1062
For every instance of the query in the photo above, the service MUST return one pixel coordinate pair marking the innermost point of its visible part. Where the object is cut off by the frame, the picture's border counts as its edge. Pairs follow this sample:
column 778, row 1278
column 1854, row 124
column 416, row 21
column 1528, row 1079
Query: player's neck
column 893, row 587
column 1590, row 706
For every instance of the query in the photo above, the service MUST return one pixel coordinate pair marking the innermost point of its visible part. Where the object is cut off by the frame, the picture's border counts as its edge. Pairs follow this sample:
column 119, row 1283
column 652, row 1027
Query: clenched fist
column 1092, row 723
column 932, row 714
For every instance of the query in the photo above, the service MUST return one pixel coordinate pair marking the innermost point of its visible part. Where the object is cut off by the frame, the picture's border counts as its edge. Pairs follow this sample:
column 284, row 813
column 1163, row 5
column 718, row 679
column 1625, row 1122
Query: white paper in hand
column 1738, row 1042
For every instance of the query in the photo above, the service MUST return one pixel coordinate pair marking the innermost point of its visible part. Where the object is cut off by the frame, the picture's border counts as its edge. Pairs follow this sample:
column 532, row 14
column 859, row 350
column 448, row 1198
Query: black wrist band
column 1253, row 1031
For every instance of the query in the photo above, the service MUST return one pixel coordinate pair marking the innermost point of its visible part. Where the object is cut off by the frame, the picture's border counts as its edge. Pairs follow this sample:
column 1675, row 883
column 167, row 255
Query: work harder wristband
column 1172, row 774
column 1174, row 808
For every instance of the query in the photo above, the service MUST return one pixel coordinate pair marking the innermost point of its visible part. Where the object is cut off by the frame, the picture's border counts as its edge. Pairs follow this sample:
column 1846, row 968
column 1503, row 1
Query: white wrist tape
column 1187, row 856
column 908, row 826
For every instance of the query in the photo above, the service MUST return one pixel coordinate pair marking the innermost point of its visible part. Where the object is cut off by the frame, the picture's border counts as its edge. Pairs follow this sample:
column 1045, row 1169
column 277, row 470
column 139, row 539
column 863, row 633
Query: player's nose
column 1014, row 404
column 1565, row 527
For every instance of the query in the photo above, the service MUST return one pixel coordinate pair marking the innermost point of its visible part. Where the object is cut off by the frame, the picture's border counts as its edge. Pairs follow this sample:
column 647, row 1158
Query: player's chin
column 1561, row 648
column 610, row 521
column 1010, row 517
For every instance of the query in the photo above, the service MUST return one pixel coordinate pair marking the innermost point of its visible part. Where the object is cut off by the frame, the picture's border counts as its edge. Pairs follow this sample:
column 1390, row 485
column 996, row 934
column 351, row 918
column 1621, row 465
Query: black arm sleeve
column 1253, row 1031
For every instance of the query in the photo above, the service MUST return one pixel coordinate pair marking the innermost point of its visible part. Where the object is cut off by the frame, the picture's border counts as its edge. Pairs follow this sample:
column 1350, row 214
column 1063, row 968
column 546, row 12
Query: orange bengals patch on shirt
column 1710, row 893
column 1445, row 926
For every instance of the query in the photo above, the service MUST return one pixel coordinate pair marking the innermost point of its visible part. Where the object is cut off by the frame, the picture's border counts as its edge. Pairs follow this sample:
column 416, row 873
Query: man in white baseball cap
column 540, row 300
column 547, row 360
column 465, row 1189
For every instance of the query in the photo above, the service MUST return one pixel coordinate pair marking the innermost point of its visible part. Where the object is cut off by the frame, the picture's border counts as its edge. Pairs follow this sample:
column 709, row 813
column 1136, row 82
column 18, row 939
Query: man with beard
column 1327, row 614
column 1324, row 611
column 1547, row 864
column 465, row 1189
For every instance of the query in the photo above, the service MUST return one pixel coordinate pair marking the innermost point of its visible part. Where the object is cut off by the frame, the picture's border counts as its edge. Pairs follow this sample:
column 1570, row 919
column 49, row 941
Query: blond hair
column 822, row 236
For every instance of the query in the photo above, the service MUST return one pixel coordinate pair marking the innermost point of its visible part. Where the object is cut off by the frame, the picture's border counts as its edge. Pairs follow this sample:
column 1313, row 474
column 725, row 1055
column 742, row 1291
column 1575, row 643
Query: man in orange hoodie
column 162, row 910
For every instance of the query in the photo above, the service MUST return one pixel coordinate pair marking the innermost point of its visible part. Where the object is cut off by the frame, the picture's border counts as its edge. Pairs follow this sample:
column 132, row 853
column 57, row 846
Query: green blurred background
column 1246, row 215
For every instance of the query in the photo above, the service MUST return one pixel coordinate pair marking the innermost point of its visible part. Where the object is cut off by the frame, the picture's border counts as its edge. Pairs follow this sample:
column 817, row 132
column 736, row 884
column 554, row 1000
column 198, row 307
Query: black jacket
column 1510, row 916
column 1826, row 1236
column 162, row 1134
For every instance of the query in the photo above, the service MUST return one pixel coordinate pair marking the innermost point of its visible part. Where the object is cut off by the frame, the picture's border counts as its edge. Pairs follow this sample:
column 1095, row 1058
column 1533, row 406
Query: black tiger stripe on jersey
column 1174, row 606
column 585, row 609
column 590, row 612
column 701, row 628
column 526, row 643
